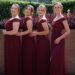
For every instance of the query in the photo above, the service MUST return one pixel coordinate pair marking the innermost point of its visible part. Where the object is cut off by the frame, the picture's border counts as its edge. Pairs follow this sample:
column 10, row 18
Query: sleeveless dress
column 27, row 50
column 12, row 50
column 42, row 51
column 57, row 50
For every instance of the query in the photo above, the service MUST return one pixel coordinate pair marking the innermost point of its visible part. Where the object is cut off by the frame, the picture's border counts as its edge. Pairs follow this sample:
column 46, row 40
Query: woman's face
column 41, row 11
column 27, row 12
column 57, row 9
column 14, row 10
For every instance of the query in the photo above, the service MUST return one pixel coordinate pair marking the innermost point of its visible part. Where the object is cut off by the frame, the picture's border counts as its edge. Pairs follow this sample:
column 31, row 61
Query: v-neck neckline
column 58, row 19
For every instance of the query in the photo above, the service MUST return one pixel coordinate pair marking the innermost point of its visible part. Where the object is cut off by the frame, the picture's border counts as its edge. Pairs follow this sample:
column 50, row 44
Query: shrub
column 5, row 7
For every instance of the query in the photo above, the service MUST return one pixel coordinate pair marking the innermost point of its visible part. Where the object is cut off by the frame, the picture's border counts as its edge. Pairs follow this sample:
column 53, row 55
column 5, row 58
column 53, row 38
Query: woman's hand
column 19, row 34
column 4, row 31
column 34, row 33
column 57, row 41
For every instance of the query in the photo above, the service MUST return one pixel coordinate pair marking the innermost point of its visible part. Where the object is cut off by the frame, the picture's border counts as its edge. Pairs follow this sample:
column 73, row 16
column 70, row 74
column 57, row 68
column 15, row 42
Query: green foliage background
column 5, row 7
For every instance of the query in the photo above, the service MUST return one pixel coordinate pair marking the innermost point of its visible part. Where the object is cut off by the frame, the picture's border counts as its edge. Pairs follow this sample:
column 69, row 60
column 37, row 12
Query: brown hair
column 58, row 3
column 16, row 5
column 30, row 7
column 43, row 7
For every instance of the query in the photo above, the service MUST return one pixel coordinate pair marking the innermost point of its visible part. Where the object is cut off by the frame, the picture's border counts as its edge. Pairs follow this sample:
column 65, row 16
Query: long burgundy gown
column 42, row 51
column 12, row 50
column 28, row 49
column 57, row 50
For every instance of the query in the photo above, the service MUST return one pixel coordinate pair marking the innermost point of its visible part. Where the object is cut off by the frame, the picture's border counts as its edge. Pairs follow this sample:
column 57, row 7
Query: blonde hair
column 42, row 7
column 16, row 5
column 59, row 4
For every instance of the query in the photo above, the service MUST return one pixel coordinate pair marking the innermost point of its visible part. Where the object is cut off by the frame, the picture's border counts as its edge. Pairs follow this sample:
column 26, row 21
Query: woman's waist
column 27, row 36
column 27, row 39
column 12, row 37
column 43, row 37
column 8, row 29
column 56, row 34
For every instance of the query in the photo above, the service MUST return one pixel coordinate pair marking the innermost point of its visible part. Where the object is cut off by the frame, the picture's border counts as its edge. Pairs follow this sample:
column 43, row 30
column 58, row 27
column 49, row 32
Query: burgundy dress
column 42, row 51
column 12, row 50
column 28, row 49
column 57, row 50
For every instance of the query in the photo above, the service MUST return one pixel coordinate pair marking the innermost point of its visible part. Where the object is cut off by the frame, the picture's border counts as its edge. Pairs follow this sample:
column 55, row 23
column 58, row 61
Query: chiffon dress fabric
column 12, row 49
column 42, row 50
column 27, row 50
column 57, row 65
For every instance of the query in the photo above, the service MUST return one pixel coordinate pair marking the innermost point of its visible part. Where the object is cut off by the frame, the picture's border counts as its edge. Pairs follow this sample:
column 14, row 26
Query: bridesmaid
column 27, row 40
column 12, row 42
column 42, row 44
column 58, row 40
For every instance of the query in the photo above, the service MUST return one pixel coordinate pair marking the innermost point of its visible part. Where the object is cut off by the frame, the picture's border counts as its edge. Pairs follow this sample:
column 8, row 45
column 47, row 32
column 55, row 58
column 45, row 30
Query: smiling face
column 28, row 10
column 41, row 10
column 14, row 10
column 57, row 8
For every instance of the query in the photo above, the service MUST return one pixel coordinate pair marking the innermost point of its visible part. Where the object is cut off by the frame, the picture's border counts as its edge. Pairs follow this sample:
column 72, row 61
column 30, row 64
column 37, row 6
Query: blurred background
column 69, row 13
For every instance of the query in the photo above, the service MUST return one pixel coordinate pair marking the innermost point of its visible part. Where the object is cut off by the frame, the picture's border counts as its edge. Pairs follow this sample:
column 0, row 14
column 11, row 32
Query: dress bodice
column 9, row 24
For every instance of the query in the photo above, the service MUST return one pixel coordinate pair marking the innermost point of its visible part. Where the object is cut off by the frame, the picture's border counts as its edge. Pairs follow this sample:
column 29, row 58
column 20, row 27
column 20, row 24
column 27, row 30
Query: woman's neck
column 14, row 16
column 28, row 16
column 41, row 16
column 59, row 14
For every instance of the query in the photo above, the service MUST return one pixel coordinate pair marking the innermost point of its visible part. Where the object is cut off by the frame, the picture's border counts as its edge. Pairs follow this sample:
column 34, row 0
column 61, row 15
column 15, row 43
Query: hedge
column 5, row 7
